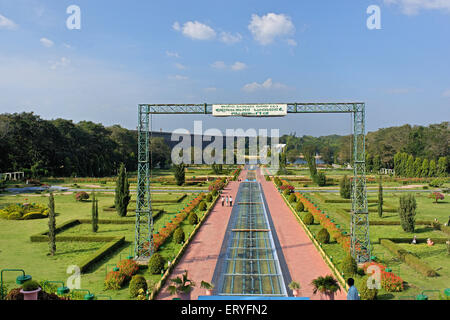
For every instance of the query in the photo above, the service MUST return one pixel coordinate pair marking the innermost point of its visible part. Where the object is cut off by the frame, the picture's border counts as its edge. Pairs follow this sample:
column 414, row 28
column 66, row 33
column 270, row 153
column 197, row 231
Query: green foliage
column 380, row 198
column 136, row 283
column 308, row 219
column 407, row 212
column 292, row 197
column 122, row 195
column 299, row 206
column 286, row 192
column 202, row 206
column 349, row 265
column 321, row 179
column 345, row 187
column 323, row 236
column 156, row 263
column 214, row 193
column 193, row 218
column 217, row 168
column 442, row 167
column 209, row 197
column 326, row 285
column 94, row 213
column 365, row 293
column 179, row 173
column 81, row 196
column 181, row 284
column 51, row 225
column 178, row 235
column 277, row 181
column 30, row 285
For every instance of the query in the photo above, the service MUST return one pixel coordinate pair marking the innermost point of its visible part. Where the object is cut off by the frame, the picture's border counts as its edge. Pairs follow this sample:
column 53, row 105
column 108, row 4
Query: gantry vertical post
column 143, row 245
column 360, row 241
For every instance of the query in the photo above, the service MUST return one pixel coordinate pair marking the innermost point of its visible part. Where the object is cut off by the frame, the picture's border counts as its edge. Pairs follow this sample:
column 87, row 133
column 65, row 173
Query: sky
column 131, row 52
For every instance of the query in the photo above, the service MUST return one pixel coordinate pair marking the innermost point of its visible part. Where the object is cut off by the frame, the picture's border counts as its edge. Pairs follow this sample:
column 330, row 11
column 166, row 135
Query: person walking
column 352, row 291
column 223, row 201
column 231, row 201
column 227, row 200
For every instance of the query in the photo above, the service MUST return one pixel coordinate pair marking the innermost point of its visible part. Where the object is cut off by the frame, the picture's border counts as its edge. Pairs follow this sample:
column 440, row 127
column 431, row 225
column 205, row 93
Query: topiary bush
column 349, row 265
column 178, row 235
column 323, row 236
column 136, row 283
column 286, row 192
column 308, row 219
column 202, row 206
column 156, row 264
column 209, row 197
column 81, row 196
column 192, row 218
column 365, row 293
column 30, row 285
column 292, row 198
column 214, row 193
column 299, row 206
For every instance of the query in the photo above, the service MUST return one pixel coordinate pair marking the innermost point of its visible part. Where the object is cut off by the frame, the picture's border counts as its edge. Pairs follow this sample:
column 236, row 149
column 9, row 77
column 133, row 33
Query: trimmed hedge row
column 419, row 240
column 347, row 201
column 109, row 247
column 397, row 223
column 410, row 259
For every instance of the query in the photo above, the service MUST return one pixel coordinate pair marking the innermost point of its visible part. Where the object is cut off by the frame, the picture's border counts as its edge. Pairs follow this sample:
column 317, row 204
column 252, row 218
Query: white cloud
column 61, row 63
column 266, row 28
column 180, row 66
column 412, row 7
column 47, row 42
column 172, row 54
column 291, row 42
column 6, row 23
column 219, row 65
column 228, row 38
column 238, row 66
column 266, row 85
column 178, row 77
column 195, row 30
column 446, row 93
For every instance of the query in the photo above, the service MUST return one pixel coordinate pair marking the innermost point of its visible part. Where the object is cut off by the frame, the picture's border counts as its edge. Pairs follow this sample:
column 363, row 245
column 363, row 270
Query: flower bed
column 24, row 211
column 389, row 281
column 115, row 279
column 218, row 185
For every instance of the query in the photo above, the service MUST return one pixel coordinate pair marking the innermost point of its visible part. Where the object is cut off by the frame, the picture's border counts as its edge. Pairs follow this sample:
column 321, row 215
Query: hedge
column 419, row 240
column 410, row 259
column 397, row 223
column 347, row 201
column 109, row 247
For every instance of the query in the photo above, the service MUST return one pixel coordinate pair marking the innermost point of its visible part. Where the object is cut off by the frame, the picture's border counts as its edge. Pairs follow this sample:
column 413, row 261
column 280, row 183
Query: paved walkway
column 302, row 258
column 201, row 256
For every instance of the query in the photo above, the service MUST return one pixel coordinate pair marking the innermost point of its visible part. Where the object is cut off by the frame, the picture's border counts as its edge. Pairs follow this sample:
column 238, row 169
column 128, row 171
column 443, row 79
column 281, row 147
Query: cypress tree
column 376, row 163
column 345, row 188
column 380, row 197
column 417, row 167
column 410, row 166
column 407, row 212
column 51, row 225
column 179, row 173
column 425, row 168
column 94, row 213
column 432, row 171
column 122, row 192
column 442, row 167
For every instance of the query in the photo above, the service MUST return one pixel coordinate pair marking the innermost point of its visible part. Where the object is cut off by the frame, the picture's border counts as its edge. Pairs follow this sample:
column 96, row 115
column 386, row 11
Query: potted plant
column 30, row 290
column 295, row 287
column 208, row 286
column 326, row 286
column 181, row 285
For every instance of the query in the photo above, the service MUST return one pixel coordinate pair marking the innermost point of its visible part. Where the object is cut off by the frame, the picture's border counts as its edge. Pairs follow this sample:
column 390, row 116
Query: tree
column 369, row 162
column 122, row 197
column 380, row 197
column 417, row 167
column 407, row 212
column 94, row 213
column 425, row 168
column 179, row 173
column 376, row 163
column 309, row 154
column 217, row 168
column 345, row 188
column 410, row 166
column 432, row 170
column 292, row 155
column 51, row 225
column 442, row 167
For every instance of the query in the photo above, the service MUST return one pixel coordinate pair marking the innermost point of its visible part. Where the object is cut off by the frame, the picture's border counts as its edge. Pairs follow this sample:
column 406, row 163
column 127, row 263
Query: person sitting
column 414, row 240
column 429, row 242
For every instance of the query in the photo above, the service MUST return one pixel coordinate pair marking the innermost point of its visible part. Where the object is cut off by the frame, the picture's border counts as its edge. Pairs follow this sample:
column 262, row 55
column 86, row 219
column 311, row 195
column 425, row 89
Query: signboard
column 249, row 110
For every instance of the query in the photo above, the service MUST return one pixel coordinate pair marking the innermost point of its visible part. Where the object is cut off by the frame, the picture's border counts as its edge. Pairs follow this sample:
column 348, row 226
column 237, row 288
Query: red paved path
column 302, row 258
column 201, row 256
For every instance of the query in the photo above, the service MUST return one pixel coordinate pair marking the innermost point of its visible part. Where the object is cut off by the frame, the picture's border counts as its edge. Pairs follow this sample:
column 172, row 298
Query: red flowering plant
column 128, row 267
column 436, row 196
column 389, row 281
column 114, row 280
column 217, row 185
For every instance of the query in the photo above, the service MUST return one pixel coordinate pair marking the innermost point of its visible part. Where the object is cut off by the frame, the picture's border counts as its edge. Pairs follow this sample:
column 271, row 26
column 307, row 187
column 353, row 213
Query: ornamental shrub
column 178, row 235
column 323, row 236
column 114, row 280
column 349, row 266
column 292, row 198
column 214, row 193
column 345, row 188
column 156, row 264
column 30, row 285
column 321, row 179
column 407, row 212
column 192, row 218
column 128, row 268
column 365, row 293
column 299, row 206
column 202, row 206
column 136, row 283
column 81, row 196
column 308, row 219
column 209, row 197
column 286, row 192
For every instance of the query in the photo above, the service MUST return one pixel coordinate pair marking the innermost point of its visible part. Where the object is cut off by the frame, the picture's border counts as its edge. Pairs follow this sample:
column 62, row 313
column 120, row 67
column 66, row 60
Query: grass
column 17, row 251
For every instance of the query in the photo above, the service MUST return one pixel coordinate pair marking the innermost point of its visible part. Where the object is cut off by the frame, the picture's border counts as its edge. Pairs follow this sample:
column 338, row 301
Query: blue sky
column 130, row 52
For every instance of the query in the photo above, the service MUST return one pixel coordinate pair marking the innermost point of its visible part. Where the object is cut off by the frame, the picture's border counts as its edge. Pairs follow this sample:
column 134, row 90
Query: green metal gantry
column 360, row 242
